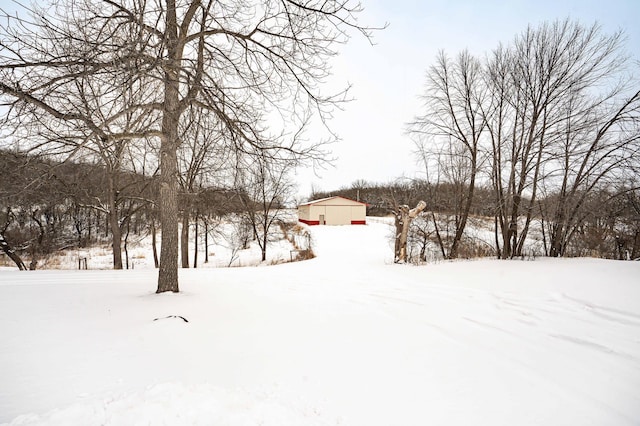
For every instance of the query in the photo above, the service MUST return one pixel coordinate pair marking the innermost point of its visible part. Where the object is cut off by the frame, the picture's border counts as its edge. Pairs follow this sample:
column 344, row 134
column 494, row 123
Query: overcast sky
column 388, row 78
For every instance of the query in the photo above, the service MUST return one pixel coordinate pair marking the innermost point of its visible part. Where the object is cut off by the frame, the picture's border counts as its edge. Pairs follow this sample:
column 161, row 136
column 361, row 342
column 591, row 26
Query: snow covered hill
column 347, row 338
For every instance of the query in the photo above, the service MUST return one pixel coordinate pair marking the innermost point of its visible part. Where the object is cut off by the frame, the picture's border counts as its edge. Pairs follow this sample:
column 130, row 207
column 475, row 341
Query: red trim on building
column 358, row 222
column 309, row 222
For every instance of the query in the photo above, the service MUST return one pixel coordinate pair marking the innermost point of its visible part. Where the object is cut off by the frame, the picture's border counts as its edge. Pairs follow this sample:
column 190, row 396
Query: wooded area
column 609, row 227
column 541, row 135
column 550, row 122
column 49, row 206
column 124, row 117
column 187, row 90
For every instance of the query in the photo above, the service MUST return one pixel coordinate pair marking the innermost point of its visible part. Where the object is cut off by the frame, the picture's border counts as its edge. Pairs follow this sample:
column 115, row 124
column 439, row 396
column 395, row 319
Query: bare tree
column 11, row 193
column 245, row 63
column 548, row 124
column 596, row 152
column 264, row 186
column 62, row 108
column 201, row 161
column 6, row 247
column 36, row 209
column 451, row 127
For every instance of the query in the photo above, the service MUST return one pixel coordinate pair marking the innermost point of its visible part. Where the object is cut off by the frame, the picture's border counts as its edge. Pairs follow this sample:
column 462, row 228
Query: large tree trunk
column 114, row 225
column 168, row 271
column 168, row 268
column 116, row 239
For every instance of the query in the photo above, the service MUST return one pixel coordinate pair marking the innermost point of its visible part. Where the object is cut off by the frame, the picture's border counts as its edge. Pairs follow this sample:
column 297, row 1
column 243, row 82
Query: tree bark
column 403, row 220
column 264, row 246
column 495, row 235
column 168, row 271
column 116, row 239
column 154, row 244
column 184, row 239
column 438, row 236
column 206, row 241
column 195, row 243
column 114, row 225
column 126, row 239
column 4, row 245
column 168, row 267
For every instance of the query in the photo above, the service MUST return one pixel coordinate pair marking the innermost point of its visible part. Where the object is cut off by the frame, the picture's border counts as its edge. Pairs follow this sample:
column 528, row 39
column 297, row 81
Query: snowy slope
column 347, row 338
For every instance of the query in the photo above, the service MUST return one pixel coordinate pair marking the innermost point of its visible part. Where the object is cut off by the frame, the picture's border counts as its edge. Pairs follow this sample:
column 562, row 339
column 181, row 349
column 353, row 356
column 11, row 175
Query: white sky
column 388, row 78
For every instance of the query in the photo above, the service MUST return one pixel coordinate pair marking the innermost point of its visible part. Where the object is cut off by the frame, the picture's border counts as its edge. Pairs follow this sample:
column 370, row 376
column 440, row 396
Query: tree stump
column 404, row 216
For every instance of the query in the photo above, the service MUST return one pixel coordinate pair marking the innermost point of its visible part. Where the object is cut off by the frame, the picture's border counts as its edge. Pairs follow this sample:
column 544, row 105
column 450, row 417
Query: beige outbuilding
column 333, row 211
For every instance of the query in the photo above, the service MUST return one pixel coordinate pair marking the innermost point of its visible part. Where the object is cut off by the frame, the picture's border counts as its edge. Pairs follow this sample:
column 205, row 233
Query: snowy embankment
column 347, row 338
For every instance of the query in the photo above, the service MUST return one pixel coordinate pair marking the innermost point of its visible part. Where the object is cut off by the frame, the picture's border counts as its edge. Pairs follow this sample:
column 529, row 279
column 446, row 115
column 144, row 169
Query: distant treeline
column 381, row 199
column 609, row 224
column 47, row 206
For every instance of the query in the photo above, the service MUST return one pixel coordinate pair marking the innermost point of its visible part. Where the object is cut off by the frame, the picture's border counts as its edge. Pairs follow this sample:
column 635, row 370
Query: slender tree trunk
column 438, row 236
column 206, row 240
column 264, row 246
column 195, row 243
column 126, row 239
column 184, row 238
column 154, row 244
column 36, row 246
column 9, row 251
column 168, row 271
column 399, row 223
column 89, row 221
column 519, row 246
column 462, row 224
column 265, row 233
column 506, row 238
column 636, row 245
column 555, row 249
column 543, row 229
column 78, row 224
column 495, row 234
column 423, row 248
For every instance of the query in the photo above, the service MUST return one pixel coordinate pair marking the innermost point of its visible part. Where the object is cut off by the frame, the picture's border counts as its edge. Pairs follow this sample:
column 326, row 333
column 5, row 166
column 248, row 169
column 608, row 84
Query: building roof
column 322, row 200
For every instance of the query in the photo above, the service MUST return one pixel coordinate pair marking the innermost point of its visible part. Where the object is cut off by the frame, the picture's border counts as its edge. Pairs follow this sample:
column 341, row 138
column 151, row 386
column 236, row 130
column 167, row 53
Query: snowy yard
column 347, row 338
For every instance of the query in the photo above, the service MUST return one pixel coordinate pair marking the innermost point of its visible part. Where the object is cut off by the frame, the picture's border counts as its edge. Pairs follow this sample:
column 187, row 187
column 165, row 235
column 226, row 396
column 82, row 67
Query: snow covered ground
column 347, row 338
